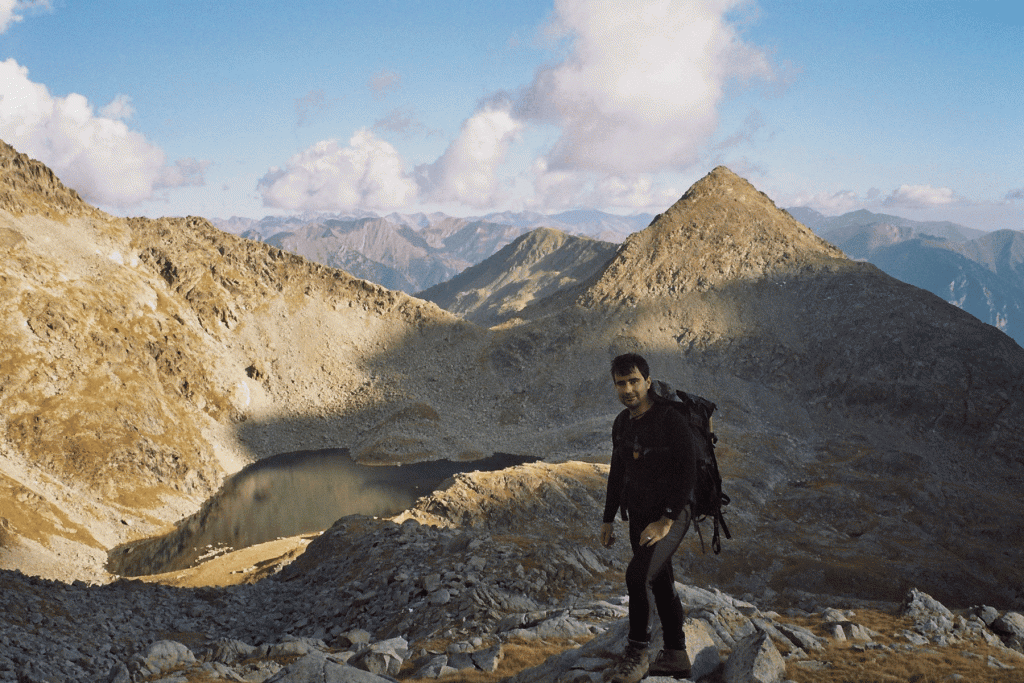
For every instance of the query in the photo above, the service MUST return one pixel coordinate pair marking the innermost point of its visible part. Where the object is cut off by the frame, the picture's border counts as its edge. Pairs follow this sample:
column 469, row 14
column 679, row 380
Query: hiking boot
column 675, row 663
column 632, row 667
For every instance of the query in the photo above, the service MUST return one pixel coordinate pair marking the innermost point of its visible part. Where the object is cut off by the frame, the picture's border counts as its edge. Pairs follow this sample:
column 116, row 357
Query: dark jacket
column 660, row 481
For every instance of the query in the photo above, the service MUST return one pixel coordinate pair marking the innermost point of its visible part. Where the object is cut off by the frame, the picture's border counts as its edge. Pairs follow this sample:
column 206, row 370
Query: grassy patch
column 853, row 662
column 518, row 656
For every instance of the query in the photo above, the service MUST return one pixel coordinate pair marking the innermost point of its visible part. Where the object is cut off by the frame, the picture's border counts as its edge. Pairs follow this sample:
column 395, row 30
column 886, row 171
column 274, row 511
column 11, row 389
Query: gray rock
column 700, row 646
column 317, row 667
column 353, row 639
column 994, row 663
column 917, row 604
column 755, row 659
column 489, row 659
column 441, row 596
column 386, row 657
column 163, row 655
column 557, row 627
column 229, row 651
column 119, row 674
column 435, row 667
column 987, row 614
column 460, row 661
column 296, row 647
column 1010, row 624
column 801, row 637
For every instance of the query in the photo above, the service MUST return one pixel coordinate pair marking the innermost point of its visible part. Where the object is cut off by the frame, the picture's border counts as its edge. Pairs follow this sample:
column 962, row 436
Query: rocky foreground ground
column 453, row 586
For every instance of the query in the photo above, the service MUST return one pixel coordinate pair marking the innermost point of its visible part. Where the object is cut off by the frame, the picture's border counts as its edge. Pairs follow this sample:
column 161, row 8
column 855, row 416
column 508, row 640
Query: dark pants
column 651, row 585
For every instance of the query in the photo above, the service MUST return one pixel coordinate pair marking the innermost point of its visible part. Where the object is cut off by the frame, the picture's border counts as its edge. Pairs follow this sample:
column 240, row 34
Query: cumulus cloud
column 11, row 10
column 635, row 92
column 96, row 154
column 1014, row 195
column 368, row 173
column 467, row 172
column 558, row 190
column 640, row 86
column 187, row 172
column 830, row 204
column 919, row 196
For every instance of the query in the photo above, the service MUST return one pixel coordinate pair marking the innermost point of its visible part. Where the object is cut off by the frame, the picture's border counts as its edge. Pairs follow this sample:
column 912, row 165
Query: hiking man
column 652, row 473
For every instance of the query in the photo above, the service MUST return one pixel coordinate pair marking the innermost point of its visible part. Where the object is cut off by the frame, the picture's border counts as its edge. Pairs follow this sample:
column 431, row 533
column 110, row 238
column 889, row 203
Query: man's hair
column 627, row 362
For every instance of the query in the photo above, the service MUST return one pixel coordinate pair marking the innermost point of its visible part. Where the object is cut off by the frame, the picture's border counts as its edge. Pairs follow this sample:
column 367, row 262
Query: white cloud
column 467, row 172
column 119, row 109
column 97, row 155
column 829, row 204
column 920, row 196
column 637, row 93
column 640, row 88
column 556, row 190
column 367, row 174
column 10, row 10
column 186, row 172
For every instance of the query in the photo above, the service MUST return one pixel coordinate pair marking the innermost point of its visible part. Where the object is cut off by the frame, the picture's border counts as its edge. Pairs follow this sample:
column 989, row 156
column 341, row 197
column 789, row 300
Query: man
column 652, row 473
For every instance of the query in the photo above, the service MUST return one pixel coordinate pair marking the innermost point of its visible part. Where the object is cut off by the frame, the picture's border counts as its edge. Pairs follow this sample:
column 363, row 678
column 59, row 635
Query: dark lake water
column 288, row 495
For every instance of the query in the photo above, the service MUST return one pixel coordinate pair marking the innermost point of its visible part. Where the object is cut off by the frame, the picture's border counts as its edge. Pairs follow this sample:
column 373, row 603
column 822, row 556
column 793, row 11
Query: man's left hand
column 655, row 531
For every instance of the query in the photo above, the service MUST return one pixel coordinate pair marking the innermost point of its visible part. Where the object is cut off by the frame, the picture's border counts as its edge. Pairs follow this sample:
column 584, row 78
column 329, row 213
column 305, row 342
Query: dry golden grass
column 519, row 655
column 845, row 664
column 849, row 662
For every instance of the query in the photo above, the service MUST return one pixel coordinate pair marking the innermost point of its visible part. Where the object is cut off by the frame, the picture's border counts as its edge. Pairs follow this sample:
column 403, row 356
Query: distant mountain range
column 980, row 272
column 413, row 252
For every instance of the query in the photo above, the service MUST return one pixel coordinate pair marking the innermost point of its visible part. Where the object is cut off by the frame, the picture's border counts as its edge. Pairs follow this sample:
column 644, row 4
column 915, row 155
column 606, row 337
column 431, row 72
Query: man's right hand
column 607, row 535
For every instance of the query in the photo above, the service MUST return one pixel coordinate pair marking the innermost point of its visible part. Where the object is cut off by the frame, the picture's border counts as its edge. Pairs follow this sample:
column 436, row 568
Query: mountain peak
column 722, row 229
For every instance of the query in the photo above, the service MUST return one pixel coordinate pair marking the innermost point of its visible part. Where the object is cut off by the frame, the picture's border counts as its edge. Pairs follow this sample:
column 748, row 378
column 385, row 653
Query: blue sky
column 251, row 108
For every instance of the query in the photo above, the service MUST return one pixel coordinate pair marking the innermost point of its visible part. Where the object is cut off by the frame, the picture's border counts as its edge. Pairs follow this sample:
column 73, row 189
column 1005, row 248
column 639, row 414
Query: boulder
column 701, row 648
column 386, row 657
column 755, row 659
column 1010, row 624
column 317, row 667
column 163, row 655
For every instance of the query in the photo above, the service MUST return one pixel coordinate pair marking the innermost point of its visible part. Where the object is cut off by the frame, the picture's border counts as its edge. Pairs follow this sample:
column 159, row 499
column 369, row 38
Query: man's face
column 632, row 388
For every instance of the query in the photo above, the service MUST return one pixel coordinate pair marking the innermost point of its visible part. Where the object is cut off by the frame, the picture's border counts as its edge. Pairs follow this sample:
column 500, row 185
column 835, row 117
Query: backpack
column 707, row 499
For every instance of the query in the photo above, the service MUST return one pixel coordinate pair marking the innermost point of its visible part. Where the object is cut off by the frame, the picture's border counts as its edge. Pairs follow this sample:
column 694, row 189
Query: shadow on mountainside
column 869, row 430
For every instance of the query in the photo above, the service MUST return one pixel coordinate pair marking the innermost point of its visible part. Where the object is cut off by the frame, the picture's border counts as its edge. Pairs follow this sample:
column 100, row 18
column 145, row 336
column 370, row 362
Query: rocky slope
column 474, row 586
column 869, row 431
column 532, row 267
column 413, row 252
column 141, row 360
column 860, row 417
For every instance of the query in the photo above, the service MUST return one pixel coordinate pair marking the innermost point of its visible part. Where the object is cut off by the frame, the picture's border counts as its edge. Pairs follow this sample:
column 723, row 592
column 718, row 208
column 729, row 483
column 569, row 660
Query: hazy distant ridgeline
column 982, row 273
column 413, row 252
column 979, row 272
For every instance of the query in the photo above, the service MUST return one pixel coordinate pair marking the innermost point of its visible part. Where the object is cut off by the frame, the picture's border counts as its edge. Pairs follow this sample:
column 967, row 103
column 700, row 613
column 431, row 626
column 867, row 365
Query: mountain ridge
column 846, row 398
column 533, row 267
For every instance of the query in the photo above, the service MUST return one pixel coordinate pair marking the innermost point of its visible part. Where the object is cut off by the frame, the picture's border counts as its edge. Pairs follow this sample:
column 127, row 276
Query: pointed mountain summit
column 722, row 229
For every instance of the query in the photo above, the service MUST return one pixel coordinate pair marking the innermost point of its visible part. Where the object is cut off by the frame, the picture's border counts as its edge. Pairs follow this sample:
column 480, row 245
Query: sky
column 255, row 107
